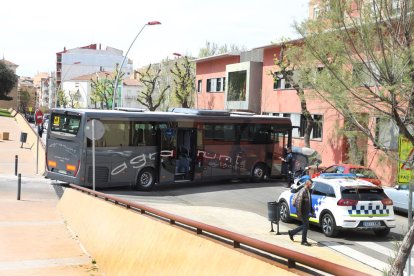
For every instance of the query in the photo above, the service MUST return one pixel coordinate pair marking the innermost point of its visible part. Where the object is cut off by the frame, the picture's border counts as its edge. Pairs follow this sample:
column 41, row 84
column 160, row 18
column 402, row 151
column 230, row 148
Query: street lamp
column 123, row 60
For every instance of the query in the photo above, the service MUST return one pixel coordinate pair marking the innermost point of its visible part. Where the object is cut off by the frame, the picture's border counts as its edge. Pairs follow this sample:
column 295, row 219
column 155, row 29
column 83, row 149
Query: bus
column 145, row 148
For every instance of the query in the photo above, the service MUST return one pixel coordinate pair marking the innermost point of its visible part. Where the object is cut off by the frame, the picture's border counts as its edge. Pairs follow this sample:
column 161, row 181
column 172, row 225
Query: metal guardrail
column 292, row 257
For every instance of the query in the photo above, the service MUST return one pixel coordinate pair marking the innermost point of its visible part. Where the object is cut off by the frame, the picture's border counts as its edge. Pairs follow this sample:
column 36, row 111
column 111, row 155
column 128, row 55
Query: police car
column 343, row 202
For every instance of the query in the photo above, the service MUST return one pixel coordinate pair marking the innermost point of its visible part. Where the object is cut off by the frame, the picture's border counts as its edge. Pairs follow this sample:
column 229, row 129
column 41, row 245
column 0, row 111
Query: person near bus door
column 290, row 163
column 303, row 204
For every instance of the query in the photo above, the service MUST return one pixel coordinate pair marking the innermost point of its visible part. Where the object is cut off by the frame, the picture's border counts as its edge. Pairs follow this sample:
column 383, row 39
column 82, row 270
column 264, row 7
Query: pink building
column 244, row 81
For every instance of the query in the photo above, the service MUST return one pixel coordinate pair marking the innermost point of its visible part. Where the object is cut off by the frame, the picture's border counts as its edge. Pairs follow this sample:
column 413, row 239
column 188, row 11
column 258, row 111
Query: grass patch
column 4, row 113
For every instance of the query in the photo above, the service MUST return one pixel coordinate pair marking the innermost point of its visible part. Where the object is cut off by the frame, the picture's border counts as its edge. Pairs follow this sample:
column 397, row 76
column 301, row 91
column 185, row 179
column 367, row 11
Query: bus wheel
column 259, row 172
column 146, row 179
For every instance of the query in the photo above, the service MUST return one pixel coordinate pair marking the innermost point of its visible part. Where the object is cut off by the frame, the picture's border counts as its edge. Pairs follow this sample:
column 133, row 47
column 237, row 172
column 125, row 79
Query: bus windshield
column 66, row 124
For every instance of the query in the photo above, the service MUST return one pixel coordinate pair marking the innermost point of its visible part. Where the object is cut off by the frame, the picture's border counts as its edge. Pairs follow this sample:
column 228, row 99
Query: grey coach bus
column 143, row 148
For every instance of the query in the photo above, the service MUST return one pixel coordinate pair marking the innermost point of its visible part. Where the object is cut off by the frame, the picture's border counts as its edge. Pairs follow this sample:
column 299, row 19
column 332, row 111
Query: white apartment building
column 82, row 61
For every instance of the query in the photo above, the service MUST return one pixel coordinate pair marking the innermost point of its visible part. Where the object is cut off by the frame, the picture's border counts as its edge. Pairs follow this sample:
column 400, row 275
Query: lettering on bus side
column 136, row 162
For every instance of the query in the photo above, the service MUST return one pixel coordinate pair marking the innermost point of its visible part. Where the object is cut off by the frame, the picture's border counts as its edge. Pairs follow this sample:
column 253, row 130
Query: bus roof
column 179, row 114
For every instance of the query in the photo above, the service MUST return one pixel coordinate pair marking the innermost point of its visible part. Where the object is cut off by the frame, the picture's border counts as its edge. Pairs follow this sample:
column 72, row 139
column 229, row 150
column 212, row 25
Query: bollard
column 19, row 185
column 16, row 161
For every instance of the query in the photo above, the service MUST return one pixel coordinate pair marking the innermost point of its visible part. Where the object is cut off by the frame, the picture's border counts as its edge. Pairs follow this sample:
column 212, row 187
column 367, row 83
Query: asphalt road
column 253, row 197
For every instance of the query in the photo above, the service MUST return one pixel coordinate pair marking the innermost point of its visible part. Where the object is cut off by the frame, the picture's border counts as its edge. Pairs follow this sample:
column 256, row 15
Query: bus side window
column 138, row 137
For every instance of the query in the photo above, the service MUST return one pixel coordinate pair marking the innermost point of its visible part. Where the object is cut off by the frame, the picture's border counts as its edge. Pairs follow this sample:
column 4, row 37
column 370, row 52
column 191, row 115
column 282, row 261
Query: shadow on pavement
column 193, row 188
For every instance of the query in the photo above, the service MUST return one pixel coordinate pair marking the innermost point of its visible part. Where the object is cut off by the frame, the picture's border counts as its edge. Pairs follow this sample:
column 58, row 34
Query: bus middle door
column 168, row 154
column 186, row 154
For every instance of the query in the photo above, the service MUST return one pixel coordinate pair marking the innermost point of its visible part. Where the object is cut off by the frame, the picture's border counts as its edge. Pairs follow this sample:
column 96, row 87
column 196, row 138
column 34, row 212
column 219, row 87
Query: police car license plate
column 371, row 223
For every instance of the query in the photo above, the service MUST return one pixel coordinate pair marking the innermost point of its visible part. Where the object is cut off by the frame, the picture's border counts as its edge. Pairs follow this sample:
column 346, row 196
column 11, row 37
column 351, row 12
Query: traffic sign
column 97, row 127
column 38, row 116
column 405, row 154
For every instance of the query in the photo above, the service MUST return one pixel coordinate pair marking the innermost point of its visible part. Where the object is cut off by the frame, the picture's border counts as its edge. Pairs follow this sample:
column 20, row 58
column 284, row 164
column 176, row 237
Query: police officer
column 290, row 162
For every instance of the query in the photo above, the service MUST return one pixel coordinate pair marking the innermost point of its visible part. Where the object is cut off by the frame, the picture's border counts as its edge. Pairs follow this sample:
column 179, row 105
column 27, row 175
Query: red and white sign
column 38, row 116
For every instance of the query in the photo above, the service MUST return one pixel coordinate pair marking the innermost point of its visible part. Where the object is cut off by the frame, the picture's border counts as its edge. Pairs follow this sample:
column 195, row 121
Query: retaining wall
column 124, row 242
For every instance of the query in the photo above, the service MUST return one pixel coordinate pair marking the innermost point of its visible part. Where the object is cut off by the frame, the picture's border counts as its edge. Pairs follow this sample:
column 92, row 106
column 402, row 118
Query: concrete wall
column 31, row 141
column 124, row 242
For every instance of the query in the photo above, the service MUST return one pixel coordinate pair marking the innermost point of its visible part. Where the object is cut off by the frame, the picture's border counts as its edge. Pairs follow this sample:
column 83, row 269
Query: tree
column 211, row 49
column 8, row 80
column 74, row 97
column 153, row 94
column 62, row 99
column 287, row 70
column 103, row 89
column 359, row 57
column 184, row 80
column 24, row 99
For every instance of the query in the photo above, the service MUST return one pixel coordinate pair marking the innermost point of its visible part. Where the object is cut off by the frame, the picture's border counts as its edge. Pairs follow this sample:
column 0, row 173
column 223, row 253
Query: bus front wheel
column 146, row 179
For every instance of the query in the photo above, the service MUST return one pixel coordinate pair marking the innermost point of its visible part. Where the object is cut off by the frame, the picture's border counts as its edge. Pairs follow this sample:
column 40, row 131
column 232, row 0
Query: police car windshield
column 363, row 173
column 364, row 194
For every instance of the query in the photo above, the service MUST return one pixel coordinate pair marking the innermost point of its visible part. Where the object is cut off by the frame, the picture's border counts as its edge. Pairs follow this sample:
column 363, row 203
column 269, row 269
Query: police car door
column 322, row 197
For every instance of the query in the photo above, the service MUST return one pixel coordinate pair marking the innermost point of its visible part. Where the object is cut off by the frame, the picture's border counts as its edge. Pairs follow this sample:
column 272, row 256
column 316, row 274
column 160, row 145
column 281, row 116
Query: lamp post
column 123, row 60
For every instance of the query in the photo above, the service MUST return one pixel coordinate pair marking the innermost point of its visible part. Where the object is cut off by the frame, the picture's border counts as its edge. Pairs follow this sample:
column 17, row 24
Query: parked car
column 343, row 202
column 45, row 123
column 359, row 171
column 30, row 117
column 399, row 195
column 46, row 116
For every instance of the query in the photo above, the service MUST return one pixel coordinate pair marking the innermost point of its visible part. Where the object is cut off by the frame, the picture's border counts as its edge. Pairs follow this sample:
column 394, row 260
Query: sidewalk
column 33, row 236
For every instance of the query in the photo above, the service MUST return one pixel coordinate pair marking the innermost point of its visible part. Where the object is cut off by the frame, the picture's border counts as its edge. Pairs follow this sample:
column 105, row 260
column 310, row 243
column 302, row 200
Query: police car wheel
column 329, row 225
column 382, row 232
column 284, row 212
column 145, row 180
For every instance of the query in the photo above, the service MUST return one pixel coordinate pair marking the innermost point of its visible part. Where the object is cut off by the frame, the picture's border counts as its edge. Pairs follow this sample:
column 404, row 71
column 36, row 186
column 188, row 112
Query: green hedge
column 4, row 113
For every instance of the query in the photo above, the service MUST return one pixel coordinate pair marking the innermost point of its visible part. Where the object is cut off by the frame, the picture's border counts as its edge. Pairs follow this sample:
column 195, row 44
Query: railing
column 292, row 257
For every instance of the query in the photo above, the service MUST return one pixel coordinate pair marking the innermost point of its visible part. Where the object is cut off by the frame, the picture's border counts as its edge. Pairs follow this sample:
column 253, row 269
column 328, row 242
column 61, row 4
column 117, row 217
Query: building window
column 317, row 127
column 274, row 114
column 299, row 123
column 199, row 85
column 365, row 74
column 386, row 133
column 237, row 86
column 280, row 82
column 215, row 85
column 316, row 12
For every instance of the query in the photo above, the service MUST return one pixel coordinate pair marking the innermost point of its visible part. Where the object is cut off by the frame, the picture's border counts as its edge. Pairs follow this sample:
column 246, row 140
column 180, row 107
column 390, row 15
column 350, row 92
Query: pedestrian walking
column 303, row 206
column 290, row 163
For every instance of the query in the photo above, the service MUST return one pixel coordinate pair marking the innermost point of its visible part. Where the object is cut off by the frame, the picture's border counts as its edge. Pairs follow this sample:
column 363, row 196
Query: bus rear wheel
column 259, row 173
column 145, row 179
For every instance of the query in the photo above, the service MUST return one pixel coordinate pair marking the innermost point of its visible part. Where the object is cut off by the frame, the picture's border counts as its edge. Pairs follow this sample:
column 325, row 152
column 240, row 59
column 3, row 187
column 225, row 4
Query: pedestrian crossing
column 370, row 253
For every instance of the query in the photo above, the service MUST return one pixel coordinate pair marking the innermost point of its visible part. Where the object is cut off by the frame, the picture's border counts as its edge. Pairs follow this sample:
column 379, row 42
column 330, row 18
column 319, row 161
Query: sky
column 32, row 32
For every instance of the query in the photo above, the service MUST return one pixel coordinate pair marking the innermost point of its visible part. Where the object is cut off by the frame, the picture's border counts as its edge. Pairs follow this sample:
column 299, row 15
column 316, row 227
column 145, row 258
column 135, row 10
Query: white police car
column 343, row 202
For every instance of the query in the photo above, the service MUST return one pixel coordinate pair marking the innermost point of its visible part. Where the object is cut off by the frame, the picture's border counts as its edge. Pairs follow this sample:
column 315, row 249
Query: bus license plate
column 371, row 223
